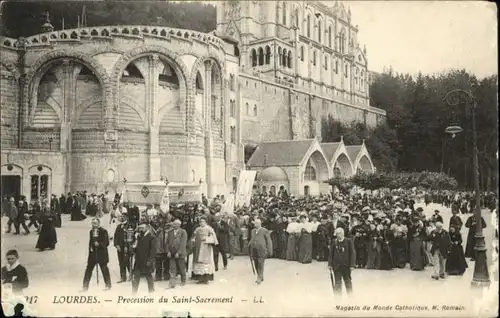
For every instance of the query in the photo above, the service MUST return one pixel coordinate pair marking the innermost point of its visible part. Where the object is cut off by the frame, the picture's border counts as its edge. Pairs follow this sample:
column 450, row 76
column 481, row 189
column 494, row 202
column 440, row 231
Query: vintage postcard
column 249, row 158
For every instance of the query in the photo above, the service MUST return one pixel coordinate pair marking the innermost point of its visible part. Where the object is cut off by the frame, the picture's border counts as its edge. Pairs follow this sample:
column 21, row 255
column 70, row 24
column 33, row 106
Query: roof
column 280, row 153
column 273, row 174
column 329, row 149
column 353, row 151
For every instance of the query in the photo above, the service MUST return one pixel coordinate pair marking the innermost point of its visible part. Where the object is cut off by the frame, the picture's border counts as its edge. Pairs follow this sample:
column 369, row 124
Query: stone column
column 69, row 92
column 208, row 129
column 152, row 86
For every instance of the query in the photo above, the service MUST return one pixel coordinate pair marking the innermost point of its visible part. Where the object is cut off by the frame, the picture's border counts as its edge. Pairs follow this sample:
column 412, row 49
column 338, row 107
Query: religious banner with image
column 228, row 206
column 245, row 186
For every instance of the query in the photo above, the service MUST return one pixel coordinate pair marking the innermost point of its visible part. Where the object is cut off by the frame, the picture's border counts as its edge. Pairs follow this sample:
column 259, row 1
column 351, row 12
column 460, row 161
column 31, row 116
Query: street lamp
column 481, row 276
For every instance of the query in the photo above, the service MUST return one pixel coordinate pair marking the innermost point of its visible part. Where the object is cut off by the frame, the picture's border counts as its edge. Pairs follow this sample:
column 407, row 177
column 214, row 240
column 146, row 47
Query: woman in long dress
column 455, row 263
column 417, row 251
column 47, row 239
column 282, row 237
column 204, row 239
column 374, row 248
column 386, row 260
column 291, row 245
column 305, row 241
column 399, row 248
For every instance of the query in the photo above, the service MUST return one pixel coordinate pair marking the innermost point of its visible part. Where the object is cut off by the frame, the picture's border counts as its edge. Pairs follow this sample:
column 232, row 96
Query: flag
column 165, row 201
column 245, row 187
column 228, row 206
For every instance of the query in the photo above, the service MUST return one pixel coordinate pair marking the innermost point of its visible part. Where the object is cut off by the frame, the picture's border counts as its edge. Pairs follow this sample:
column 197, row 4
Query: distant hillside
column 21, row 19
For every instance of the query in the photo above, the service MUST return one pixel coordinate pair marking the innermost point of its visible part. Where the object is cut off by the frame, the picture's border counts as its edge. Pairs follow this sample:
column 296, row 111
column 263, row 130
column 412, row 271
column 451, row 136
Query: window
column 297, row 18
column 284, row 57
column 326, row 62
column 254, row 58
column 289, row 59
column 231, row 82
column 346, row 69
column 308, row 26
column 233, row 135
column 39, row 186
column 255, row 110
column 330, row 36
column 232, row 108
column 302, row 53
column 314, row 58
column 268, row 55
column 336, row 67
column 319, row 31
column 310, row 173
column 284, row 13
column 261, row 56
column 247, row 108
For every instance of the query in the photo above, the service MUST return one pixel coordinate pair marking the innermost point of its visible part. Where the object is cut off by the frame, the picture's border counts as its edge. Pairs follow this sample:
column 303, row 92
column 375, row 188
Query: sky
column 427, row 36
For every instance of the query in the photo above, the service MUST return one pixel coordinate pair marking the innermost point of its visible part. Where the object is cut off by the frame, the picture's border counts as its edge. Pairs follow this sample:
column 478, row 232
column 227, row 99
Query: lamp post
column 481, row 276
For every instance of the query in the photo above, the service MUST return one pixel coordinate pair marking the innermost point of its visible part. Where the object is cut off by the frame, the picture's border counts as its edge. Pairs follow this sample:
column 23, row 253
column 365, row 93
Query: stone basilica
column 86, row 108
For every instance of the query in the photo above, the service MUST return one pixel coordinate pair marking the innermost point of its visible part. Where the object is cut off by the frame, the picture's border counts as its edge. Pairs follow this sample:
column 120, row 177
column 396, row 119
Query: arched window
column 346, row 69
column 330, row 36
column 336, row 172
column 308, row 26
column 319, row 31
column 261, row 56
column 247, row 108
column 284, row 57
column 326, row 62
column 302, row 53
column 279, row 55
column 297, row 18
column 310, row 173
column 336, row 67
column 233, row 135
column 272, row 191
column 284, row 13
column 264, row 190
column 268, row 54
column 232, row 110
column 254, row 58
column 255, row 109
column 231, row 82
column 289, row 59
column 314, row 58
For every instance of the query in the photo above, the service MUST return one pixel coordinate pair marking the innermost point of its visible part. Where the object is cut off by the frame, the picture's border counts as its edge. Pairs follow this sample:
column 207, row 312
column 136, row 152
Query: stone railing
column 134, row 31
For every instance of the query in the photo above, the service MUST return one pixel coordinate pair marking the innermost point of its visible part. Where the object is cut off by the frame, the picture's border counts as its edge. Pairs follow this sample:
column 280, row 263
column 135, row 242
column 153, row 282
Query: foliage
column 396, row 180
column 22, row 19
column 413, row 137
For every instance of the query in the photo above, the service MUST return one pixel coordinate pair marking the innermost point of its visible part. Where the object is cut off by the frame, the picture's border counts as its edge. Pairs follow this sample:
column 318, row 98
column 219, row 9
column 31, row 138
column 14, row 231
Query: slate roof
column 353, row 151
column 280, row 153
column 329, row 149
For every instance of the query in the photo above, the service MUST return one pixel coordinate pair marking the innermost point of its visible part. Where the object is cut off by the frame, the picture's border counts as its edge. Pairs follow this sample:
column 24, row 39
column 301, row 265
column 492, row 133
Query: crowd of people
column 387, row 230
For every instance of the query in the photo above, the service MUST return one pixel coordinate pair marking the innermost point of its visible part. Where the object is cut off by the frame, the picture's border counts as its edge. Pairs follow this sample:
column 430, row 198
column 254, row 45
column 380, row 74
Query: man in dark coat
column 175, row 246
column 456, row 221
column 123, row 247
column 323, row 234
column 145, row 256
column 62, row 204
column 98, row 254
column 22, row 211
column 56, row 211
column 471, row 239
column 441, row 245
column 12, row 214
column 221, row 229
column 260, row 247
column 342, row 259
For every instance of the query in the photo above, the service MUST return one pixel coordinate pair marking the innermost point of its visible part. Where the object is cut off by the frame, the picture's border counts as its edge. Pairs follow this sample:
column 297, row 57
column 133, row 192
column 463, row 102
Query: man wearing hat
column 323, row 233
column 145, row 256
column 21, row 218
column 122, row 241
column 441, row 245
column 436, row 217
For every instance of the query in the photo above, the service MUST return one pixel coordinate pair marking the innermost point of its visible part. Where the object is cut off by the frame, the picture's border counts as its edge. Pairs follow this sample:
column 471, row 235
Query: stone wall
column 9, row 103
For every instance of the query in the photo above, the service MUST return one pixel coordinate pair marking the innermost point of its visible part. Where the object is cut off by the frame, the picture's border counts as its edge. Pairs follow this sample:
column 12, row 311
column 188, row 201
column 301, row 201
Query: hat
column 436, row 211
column 420, row 209
column 366, row 208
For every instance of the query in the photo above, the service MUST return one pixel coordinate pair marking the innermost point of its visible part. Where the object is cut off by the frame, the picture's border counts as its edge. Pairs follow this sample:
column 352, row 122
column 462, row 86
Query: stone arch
column 44, row 63
column 365, row 164
column 171, row 57
column 16, row 170
column 38, row 172
column 343, row 162
column 321, row 165
column 192, row 83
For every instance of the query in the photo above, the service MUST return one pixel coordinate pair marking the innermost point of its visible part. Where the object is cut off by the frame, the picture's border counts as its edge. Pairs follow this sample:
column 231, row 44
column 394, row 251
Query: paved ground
column 290, row 289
